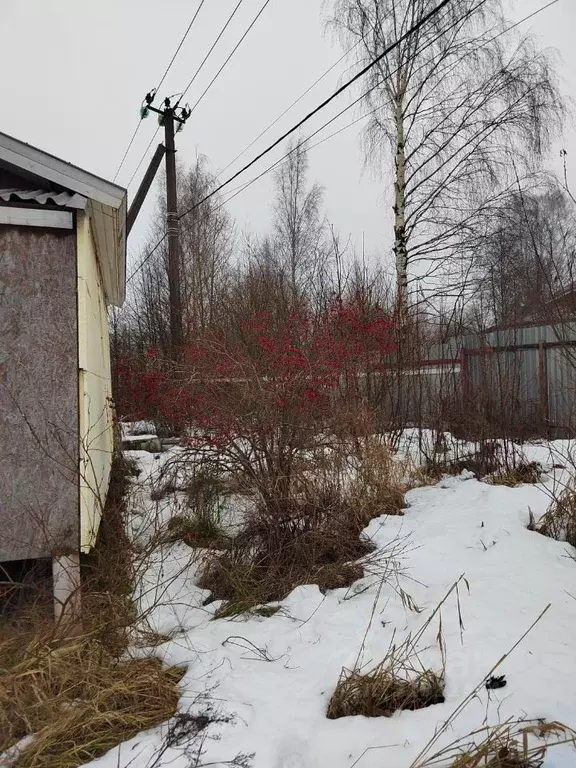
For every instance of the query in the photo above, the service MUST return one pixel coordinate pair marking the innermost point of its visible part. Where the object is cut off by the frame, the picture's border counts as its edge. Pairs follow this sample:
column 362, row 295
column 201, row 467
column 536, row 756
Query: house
column 62, row 264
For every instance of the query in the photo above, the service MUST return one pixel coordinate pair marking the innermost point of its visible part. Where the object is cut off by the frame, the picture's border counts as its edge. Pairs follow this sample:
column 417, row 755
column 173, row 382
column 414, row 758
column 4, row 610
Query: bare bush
column 312, row 540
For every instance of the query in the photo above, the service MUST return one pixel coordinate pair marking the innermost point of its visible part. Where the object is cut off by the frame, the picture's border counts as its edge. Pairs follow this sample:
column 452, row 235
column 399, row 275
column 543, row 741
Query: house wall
column 96, row 423
column 39, row 506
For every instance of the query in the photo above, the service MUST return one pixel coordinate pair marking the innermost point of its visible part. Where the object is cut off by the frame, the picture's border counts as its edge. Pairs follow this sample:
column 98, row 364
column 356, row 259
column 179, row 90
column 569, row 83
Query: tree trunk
column 400, row 244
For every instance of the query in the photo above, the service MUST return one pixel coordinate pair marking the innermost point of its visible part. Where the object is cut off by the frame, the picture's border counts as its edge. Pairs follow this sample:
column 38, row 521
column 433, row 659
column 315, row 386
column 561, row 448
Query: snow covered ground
column 271, row 679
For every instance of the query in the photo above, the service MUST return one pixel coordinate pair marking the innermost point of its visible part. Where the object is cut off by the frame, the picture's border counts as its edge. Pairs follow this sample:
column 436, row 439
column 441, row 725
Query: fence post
column 543, row 388
column 464, row 384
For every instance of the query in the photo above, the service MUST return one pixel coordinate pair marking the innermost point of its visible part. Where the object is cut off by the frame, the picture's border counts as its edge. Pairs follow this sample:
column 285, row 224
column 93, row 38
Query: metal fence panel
column 561, row 377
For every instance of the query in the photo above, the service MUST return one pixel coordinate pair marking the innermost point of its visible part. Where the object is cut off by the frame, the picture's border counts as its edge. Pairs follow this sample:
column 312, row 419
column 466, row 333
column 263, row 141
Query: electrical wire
column 146, row 258
column 143, row 157
column 168, row 68
column 343, row 128
column 413, row 29
column 214, row 44
column 182, row 96
column 238, row 44
column 346, row 85
column 296, row 101
column 300, row 144
column 181, row 44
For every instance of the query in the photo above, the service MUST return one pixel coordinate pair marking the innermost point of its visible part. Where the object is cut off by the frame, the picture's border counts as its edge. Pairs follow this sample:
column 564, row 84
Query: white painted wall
column 96, row 423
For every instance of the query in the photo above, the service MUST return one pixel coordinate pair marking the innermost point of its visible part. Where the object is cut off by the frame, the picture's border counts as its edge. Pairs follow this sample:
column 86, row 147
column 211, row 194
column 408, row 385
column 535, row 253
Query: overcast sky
column 75, row 72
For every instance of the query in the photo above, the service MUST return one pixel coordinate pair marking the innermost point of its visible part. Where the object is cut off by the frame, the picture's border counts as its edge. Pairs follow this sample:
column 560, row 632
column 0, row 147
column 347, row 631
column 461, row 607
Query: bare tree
column 206, row 243
column 298, row 223
column 526, row 260
column 452, row 105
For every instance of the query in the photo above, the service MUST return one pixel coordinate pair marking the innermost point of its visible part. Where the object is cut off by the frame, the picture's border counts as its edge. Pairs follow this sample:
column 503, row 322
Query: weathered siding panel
column 39, row 512
column 94, row 386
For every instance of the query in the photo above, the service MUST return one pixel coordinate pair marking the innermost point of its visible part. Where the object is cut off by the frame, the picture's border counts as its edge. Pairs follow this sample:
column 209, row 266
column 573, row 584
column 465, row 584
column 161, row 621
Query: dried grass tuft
column 197, row 530
column 399, row 682
column 200, row 522
column 559, row 522
column 528, row 473
column 379, row 485
column 507, row 745
column 382, row 692
column 77, row 700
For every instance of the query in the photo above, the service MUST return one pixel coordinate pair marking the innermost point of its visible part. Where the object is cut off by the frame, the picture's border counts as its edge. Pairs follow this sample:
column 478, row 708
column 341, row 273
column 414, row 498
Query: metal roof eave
column 43, row 165
column 107, row 205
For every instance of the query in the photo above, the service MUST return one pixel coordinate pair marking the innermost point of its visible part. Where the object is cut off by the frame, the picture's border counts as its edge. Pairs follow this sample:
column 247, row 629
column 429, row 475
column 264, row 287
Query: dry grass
column 559, row 522
column 77, row 699
column 80, row 697
column 399, row 682
column 200, row 522
column 507, row 745
column 107, row 572
column 524, row 473
column 197, row 530
column 379, row 485
column 419, row 477
column 381, row 692
column 498, row 744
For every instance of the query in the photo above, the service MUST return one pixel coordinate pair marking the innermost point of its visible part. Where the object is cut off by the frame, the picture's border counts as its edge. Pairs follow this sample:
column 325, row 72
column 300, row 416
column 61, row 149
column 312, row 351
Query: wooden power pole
column 173, row 233
column 168, row 116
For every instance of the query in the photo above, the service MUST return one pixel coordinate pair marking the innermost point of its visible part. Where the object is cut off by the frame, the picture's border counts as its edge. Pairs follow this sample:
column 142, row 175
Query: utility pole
column 167, row 117
column 172, row 228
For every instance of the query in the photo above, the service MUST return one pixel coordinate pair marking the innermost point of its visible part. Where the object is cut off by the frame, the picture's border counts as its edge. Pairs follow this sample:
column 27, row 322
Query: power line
column 296, row 101
column 415, row 27
column 205, row 59
column 214, row 44
column 180, row 45
column 146, row 258
column 327, row 101
column 238, row 44
column 143, row 157
column 346, row 85
column 285, row 157
column 343, row 128
column 168, row 68
column 362, row 96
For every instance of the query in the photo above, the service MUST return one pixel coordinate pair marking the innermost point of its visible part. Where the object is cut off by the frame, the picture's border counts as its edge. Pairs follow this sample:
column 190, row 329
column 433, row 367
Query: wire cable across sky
column 236, row 47
column 282, row 160
column 344, row 87
column 424, row 20
column 348, row 84
column 168, row 68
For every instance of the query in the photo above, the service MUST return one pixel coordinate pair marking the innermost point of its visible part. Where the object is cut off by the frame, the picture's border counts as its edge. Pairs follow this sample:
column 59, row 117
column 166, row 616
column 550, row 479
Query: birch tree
column 452, row 107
